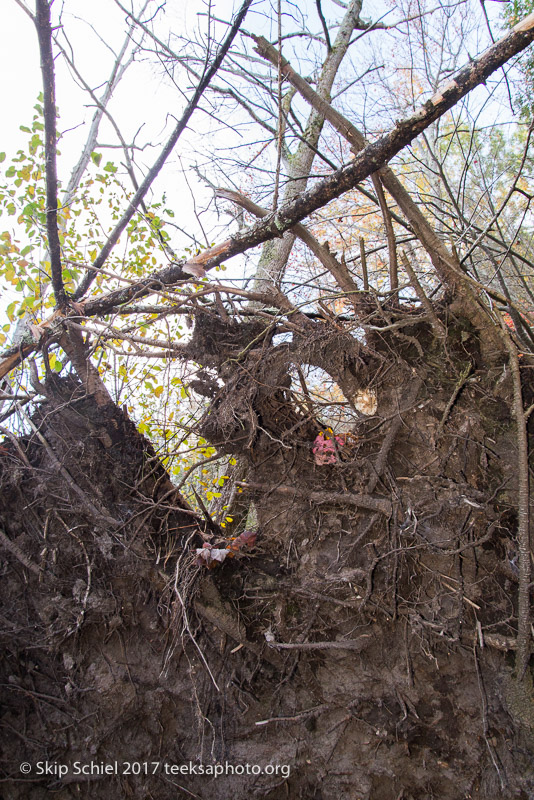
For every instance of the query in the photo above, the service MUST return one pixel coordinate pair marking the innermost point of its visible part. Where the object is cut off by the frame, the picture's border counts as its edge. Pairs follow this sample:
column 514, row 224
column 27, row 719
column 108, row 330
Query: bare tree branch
column 275, row 254
column 117, row 73
column 369, row 160
column 323, row 23
column 336, row 268
column 447, row 266
column 160, row 161
column 44, row 33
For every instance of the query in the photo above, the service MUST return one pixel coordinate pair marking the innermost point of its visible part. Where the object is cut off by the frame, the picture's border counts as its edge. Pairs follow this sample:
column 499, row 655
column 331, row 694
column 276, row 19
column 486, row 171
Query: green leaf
column 11, row 310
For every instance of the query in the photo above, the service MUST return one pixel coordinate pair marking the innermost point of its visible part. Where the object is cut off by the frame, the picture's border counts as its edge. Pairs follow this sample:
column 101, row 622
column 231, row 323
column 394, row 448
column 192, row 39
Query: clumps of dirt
column 364, row 647
column 215, row 340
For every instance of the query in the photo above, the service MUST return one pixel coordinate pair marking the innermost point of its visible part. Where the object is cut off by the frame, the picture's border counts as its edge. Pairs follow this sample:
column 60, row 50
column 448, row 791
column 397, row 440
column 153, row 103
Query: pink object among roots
column 325, row 450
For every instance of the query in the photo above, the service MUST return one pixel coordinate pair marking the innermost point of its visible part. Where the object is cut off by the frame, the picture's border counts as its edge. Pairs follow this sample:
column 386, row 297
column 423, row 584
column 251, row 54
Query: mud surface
column 365, row 642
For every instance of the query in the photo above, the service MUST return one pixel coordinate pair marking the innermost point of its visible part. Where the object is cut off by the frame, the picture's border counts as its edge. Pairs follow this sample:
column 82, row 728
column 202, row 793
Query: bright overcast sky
column 20, row 76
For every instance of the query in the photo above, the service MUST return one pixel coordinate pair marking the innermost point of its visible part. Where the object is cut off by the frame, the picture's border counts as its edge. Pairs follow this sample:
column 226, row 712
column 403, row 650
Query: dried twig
column 17, row 552
column 310, row 712
column 438, row 326
column 363, row 262
column 336, row 498
column 457, row 389
column 341, row 644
